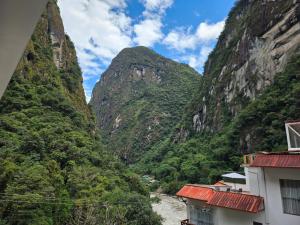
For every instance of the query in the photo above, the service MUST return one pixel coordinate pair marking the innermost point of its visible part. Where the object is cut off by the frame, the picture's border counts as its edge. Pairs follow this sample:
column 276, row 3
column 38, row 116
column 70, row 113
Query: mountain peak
column 137, row 49
column 138, row 55
column 135, row 99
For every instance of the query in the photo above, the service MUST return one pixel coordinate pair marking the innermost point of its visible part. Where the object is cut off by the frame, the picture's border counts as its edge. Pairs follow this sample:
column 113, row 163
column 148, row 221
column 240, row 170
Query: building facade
column 271, row 196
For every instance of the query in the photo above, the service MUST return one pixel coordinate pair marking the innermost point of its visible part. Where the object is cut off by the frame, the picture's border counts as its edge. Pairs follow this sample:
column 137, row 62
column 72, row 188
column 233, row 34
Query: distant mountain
column 251, row 85
column 254, row 50
column 53, row 167
column 140, row 98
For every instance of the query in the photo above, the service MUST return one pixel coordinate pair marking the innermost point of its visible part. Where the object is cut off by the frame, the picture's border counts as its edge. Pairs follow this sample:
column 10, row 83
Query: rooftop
column 196, row 192
column 237, row 201
column 289, row 159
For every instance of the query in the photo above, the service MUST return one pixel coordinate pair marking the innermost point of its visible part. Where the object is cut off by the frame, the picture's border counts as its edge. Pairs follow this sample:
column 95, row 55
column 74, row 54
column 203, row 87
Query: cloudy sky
column 183, row 30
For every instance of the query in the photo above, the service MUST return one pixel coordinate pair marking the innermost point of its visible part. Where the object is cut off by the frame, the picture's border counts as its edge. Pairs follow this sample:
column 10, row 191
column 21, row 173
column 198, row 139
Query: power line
column 80, row 202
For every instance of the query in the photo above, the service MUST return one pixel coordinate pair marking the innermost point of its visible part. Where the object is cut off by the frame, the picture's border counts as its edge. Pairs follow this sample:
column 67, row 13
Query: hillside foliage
column 202, row 158
column 53, row 167
column 139, row 100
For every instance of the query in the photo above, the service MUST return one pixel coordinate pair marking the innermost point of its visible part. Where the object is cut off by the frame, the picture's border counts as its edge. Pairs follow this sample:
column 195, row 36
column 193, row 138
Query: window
column 290, row 194
column 201, row 216
column 256, row 223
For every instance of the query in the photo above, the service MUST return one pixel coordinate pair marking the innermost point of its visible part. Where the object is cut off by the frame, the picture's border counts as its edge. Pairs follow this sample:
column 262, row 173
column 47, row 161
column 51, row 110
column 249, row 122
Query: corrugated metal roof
column 234, row 176
column 277, row 160
column 195, row 192
column 237, row 201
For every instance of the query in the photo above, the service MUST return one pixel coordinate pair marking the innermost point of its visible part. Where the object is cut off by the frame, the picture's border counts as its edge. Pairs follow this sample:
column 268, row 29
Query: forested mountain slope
column 251, row 85
column 139, row 100
column 53, row 167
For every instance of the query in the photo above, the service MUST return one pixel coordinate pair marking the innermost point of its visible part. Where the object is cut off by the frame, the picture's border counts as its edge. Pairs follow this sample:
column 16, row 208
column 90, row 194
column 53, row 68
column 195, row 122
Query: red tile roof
column 195, row 192
column 237, row 201
column 277, row 160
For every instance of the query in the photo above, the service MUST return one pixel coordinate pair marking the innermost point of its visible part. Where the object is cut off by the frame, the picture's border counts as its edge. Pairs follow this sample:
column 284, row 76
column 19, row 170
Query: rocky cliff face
column 250, row 87
column 57, row 35
column 260, row 37
column 140, row 98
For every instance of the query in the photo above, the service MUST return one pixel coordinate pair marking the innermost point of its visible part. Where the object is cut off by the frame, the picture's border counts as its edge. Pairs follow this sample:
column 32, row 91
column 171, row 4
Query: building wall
column 275, row 210
column 263, row 182
column 196, row 204
column 255, row 181
column 224, row 216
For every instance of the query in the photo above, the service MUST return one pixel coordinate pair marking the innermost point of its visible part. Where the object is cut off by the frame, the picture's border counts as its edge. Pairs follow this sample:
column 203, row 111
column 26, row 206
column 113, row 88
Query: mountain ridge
column 139, row 98
column 250, row 87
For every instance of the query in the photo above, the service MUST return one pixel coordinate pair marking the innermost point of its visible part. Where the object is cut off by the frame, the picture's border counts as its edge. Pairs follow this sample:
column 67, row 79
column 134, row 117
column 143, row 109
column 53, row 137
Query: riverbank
column 170, row 208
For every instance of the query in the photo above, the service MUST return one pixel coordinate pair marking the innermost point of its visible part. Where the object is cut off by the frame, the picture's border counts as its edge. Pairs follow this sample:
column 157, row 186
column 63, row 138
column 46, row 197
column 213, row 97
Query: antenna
column 293, row 135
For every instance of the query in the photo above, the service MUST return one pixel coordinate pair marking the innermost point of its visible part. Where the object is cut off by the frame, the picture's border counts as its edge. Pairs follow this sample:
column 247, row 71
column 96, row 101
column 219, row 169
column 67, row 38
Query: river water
column 170, row 208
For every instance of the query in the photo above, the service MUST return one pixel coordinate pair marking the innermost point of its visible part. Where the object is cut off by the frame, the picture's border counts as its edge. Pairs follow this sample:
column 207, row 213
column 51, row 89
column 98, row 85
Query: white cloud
column 182, row 39
column 206, row 32
column 149, row 30
column 157, row 6
column 99, row 29
column 88, row 92
column 197, row 61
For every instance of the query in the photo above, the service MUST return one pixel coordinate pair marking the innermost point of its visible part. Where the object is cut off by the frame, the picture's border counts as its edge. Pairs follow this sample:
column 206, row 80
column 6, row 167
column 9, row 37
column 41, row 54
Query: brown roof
column 220, row 183
column 195, row 192
column 292, row 121
column 237, row 201
column 280, row 160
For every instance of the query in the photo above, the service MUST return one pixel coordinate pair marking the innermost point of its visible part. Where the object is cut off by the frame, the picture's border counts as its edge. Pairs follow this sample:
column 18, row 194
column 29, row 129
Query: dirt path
column 170, row 208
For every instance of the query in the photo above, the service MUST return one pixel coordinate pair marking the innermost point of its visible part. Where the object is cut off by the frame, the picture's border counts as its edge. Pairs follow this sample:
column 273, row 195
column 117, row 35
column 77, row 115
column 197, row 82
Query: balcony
column 248, row 159
column 186, row 222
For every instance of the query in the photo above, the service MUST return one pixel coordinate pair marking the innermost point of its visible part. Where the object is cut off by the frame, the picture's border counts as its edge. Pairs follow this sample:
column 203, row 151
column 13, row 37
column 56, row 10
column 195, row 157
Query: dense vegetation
column 146, row 93
column 230, row 129
column 202, row 158
column 53, row 167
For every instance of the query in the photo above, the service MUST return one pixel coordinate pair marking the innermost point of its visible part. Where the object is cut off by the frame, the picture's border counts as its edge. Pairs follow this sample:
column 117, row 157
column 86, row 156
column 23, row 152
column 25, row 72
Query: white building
column 271, row 195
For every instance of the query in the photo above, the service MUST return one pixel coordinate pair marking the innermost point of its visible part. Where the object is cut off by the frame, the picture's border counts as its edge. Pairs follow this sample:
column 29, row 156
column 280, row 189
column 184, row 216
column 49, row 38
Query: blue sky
column 183, row 30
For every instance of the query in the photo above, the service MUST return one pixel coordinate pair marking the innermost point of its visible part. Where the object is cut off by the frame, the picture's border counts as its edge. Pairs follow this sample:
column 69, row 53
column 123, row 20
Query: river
column 170, row 208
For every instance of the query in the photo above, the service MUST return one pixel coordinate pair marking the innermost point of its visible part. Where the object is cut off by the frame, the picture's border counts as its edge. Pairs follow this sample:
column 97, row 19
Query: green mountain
column 53, row 167
column 139, row 100
column 250, row 86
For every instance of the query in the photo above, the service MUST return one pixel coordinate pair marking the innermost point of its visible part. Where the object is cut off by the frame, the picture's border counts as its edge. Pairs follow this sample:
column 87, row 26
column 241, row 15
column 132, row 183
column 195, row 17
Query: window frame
column 282, row 183
column 197, row 212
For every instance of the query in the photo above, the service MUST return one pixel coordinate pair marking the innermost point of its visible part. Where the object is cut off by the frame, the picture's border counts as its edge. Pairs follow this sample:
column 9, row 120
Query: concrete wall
column 275, row 210
column 197, row 204
column 224, row 216
column 262, row 182
column 265, row 183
